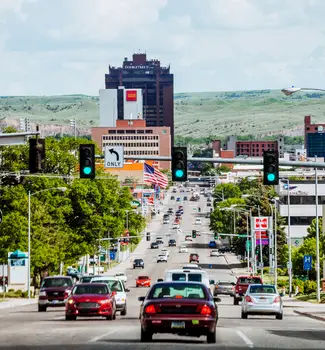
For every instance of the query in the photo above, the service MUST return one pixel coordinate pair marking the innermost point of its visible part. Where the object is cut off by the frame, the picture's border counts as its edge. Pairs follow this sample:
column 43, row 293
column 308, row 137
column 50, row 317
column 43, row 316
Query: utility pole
column 317, row 239
column 261, row 251
column 275, row 247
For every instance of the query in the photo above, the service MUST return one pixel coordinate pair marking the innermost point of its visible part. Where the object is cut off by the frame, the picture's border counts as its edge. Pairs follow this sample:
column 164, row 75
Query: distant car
column 242, row 285
column 194, row 258
column 165, row 221
column 198, row 221
column 121, row 276
column 138, row 263
column 214, row 252
column 183, row 249
column 212, row 244
column 225, row 288
column 91, row 299
column 74, row 273
column 165, row 251
column 262, row 299
column 188, row 238
column 172, row 198
column 208, row 204
column 172, row 243
column 159, row 241
column 86, row 278
column 154, row 245
column 54, row 291
column 192, row 266
column 178, row 199
column 162, row 258
column 175, row 226
column 174, row 190
column 143, row 281
column 185, row 198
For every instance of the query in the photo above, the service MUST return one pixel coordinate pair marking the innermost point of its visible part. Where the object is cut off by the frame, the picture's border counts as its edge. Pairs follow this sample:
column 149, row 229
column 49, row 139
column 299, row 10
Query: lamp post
column 29, row 240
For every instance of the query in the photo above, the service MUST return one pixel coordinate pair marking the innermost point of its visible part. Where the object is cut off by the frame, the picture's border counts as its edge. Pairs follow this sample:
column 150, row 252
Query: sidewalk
column 14, row 302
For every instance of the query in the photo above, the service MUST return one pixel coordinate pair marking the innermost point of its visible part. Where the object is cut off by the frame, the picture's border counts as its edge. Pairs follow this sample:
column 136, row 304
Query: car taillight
column 70, row 301
column 206, row 310
column 248, row 299
column 277, row 299
column 150, row 309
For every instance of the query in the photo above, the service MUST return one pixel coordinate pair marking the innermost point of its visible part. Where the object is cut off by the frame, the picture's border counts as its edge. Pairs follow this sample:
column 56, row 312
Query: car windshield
column 262, row 289
column 120, row 274
column 249, row 280
column 138, row 261
column 225, row 284
column 178, row 291
column 115, row 286
column 89, row 289
column 56, row 282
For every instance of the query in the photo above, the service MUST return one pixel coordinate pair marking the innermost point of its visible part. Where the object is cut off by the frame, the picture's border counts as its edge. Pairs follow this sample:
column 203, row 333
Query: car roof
column 248, row 276
column 105, row 278
column 67, row 277
column 91, row 284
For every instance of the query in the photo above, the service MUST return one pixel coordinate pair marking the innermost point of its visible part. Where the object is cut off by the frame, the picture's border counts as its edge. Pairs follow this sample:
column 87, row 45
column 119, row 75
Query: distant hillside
column 262, row 112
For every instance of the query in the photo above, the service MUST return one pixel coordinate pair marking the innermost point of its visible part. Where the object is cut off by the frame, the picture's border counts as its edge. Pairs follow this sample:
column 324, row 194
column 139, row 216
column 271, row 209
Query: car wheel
column 143, row 267
column 244, row 315
column 279, row 316
column 114, row 315
column 123, row 312
column 236, row 301
column 110, row 317
column 146, row 336
column 211, row 337
column 70, row 317
column 41, row 308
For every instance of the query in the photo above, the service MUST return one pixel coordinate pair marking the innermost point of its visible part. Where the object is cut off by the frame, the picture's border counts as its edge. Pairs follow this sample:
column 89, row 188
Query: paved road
column 25, row 328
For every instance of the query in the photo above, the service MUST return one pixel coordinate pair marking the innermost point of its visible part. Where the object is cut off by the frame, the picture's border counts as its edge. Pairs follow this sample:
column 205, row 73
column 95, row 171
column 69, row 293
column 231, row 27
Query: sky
column 51, row 47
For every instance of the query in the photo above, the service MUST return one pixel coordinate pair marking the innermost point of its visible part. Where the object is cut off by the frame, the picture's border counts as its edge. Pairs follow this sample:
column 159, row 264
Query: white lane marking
column 245, row 339
column 99, row 337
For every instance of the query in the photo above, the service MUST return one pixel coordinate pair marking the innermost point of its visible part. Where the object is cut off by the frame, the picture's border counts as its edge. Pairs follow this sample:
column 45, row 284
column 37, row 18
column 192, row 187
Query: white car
column 214, row 252
column 165, row 251
column 162, row 258
column 175, row 226
column 188, row 238
column 121, row 276
column 183, row 249
column 198, row 221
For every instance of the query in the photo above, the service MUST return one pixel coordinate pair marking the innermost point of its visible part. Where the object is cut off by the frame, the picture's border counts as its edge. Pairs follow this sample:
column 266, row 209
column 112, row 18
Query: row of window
column 139, row 153
column 131, row 138
column 257, row 146
column 297, row 200
column 299, row 220
column 131, row 131
column 132, row 144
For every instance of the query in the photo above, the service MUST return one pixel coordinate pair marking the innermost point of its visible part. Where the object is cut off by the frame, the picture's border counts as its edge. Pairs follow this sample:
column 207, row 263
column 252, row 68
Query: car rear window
column 179, row 277
column 225, row 284
column 89, row 289
column 143, row 277
column 115, row 286
column 262, row 289
column 248, row 280
column 194, row 277
column 178, row 291
column 56, row 282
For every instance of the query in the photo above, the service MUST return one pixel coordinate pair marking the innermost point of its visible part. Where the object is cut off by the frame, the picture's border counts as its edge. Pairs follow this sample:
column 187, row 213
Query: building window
column 112, row 131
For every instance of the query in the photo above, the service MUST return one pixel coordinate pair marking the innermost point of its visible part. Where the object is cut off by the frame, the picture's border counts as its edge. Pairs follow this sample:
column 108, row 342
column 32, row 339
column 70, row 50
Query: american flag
column 154, row 176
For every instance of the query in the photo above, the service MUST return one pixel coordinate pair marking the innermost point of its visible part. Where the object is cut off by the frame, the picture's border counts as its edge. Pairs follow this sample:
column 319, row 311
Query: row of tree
column 64, row 225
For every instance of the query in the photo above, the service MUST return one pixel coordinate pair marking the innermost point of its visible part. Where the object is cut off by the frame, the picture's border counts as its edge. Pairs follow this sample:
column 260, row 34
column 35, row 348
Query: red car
column 183, row 308
column 143, row 281
column 91, row 299
column 242, row 284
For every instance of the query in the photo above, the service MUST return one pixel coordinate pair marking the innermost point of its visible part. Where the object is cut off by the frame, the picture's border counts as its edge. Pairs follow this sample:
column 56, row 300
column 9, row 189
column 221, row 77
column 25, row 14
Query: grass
column 312, row 298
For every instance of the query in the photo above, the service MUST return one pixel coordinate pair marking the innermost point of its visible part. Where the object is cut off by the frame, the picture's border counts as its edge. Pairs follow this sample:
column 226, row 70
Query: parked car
column 154, row 245
column 91, row 299
column 138, row 263
column 242, row 284
column 54, row 291
column 172, row 243
column 212, row 244
column 262, row 299
column 189, row 301
column 225, row 288
column 194, row 258
column 143, row 281
column 117, row 286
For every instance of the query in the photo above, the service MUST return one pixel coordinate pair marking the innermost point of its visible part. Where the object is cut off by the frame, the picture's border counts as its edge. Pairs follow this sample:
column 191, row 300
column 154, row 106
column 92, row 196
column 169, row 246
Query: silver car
column 262, row 299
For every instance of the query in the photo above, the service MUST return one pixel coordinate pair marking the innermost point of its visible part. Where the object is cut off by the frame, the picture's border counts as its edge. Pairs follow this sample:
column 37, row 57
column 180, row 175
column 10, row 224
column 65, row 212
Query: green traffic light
column 270, row 177
column 87, row 170
column 179, row 173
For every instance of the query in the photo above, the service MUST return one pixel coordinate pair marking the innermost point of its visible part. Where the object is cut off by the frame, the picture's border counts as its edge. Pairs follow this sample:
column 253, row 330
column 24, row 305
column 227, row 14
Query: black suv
column 154, row 245
column 138, row 263
column 172, row 243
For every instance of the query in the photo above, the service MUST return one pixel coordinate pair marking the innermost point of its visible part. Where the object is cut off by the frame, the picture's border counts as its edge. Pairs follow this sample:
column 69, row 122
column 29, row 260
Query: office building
column 314, row 138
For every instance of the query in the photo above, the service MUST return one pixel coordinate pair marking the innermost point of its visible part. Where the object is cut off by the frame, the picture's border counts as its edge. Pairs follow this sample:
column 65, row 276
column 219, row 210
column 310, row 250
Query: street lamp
column 29, row 252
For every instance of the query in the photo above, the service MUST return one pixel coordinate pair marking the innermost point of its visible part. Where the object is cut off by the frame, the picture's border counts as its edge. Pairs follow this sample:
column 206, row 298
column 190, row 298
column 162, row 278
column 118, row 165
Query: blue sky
column 52, row 47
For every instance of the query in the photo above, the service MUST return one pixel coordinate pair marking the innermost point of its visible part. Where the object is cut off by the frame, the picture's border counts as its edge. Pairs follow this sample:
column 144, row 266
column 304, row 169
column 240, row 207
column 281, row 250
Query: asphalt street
column 26, row 328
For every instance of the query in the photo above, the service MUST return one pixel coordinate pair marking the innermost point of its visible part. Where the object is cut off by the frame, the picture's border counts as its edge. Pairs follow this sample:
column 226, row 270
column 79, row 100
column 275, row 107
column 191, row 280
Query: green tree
column 227, row 190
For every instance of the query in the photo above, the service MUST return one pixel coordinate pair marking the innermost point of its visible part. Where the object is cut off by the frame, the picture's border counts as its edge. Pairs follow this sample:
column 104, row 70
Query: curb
column 11, row 303
column 307, row 314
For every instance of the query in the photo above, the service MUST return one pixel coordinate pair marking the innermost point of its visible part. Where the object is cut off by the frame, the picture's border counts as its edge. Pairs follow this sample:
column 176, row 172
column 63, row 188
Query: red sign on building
column 131, row 95
column 261, row 223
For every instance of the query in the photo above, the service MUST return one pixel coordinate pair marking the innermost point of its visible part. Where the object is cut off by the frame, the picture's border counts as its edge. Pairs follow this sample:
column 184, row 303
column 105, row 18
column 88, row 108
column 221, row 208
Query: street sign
column 261, row 223
column 248, row 245
column 114, row 157
column 261, row 235
column 307, row 262
column 289, row 265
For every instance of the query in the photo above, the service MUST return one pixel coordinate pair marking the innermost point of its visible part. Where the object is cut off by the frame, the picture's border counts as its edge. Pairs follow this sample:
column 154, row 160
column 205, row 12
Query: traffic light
column 36, row 155
column 193, row 233
column 179, row 163
column 271, row 168
column 216, row 236
column 87, row 161
column 148, row 236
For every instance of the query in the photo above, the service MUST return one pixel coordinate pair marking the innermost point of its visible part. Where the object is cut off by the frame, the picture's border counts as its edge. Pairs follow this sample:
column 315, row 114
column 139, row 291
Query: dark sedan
column 138, row 263
column 225, row 288
column 182, row 308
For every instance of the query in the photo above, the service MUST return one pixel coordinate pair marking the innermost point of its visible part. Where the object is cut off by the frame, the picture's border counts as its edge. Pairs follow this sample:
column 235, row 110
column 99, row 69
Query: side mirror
column 113, row 293
column 216, row 299
column 212, row 282
column 141, row 298
column 160, row 280
column 233, row 283
column 127, row 290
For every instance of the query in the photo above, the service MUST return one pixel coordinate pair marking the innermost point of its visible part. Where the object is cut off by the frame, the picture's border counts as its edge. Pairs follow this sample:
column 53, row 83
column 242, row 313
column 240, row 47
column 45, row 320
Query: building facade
column 314, row 138
column 137, row 139
column 157, row 84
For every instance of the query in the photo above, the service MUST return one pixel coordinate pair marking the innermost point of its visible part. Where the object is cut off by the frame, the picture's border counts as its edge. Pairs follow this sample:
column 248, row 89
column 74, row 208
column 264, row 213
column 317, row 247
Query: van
column 187, row 275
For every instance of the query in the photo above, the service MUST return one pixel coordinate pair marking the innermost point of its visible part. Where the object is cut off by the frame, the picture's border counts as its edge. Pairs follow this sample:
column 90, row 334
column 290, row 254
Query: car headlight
column 70, row 301
column 42, row 293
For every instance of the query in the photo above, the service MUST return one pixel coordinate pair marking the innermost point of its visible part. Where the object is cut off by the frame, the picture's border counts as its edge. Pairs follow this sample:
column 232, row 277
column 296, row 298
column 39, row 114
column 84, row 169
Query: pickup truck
column 242, row 284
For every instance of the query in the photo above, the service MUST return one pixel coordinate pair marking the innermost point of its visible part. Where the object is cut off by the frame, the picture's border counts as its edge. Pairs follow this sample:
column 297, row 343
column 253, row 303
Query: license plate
column 178, row 324
column 54, row 301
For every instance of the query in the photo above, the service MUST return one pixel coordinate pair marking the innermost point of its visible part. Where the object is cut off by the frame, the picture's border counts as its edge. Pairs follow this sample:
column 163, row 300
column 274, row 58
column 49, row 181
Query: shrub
column 300, row 284
column 266, row 270
column 310, row 287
